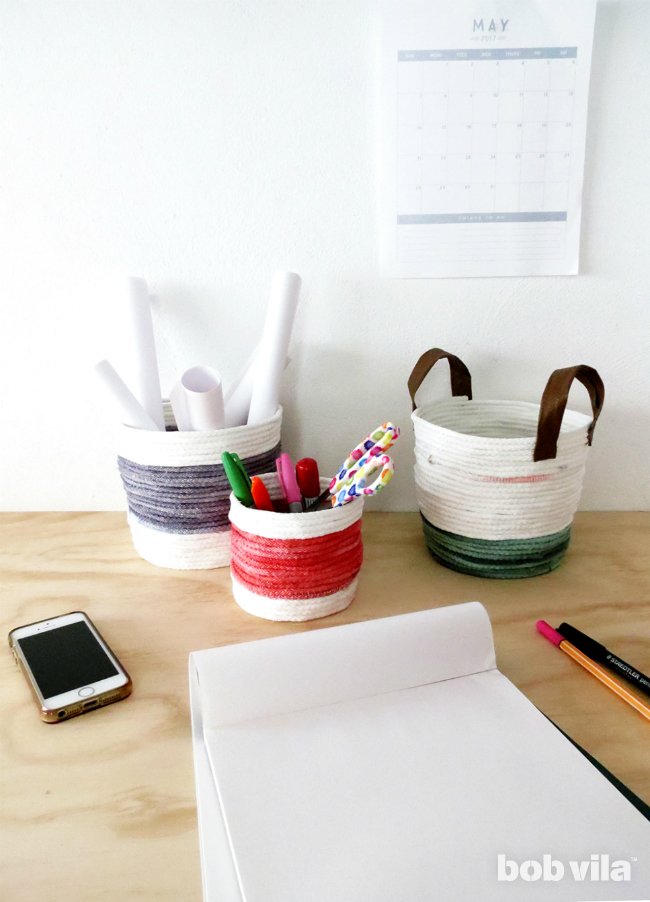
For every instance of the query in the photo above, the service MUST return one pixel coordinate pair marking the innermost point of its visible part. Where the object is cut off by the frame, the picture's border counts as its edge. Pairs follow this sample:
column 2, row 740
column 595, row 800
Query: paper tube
column 142, row 375
column 272, row 352
column 130, row 410
column 237, row 400
column 197, row 400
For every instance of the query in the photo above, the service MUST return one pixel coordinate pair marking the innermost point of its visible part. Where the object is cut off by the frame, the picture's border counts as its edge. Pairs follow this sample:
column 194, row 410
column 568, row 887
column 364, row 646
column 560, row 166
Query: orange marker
column 260, row 493
column 594, row 669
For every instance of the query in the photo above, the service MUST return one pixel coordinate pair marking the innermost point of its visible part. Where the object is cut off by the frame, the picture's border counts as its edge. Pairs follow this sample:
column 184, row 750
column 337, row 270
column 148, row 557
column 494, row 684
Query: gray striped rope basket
column 177, row 492
column 498, row 482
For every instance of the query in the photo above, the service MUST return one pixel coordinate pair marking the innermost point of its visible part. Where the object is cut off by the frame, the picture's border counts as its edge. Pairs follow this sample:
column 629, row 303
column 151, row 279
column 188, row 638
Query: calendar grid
column 484, row 135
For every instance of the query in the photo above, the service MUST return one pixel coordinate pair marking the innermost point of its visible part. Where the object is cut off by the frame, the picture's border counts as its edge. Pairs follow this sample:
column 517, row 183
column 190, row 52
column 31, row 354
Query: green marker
column 238, row 478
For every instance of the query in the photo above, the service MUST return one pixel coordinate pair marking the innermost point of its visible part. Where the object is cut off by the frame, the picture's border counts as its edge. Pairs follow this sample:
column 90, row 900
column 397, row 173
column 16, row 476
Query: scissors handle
column 383, row 438
column 357, row 485
column 377, row 443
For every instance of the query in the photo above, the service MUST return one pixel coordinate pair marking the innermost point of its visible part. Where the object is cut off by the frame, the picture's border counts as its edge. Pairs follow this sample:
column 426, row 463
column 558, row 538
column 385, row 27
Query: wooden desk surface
column 102, row 806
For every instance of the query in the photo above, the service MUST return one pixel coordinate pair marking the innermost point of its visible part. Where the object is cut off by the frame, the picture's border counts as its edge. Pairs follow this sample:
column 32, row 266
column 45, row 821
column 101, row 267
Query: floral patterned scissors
column 354, row 476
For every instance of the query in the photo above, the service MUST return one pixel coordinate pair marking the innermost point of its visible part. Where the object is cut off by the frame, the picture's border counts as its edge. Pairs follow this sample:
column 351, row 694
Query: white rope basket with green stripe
column 498, row 482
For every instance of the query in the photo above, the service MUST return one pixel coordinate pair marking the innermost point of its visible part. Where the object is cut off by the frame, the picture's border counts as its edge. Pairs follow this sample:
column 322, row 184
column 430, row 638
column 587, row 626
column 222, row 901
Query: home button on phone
column 86, row 691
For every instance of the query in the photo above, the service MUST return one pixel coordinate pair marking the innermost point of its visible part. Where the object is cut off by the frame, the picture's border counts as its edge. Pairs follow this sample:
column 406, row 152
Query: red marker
column 308, row 479
column 260, row 493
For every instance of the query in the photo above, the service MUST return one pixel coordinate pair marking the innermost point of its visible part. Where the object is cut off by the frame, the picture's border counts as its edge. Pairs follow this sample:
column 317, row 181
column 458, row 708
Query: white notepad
column 390, row 761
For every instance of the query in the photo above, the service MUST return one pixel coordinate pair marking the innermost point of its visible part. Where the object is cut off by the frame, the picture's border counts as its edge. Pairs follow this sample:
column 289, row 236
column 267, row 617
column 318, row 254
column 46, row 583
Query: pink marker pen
column 288, row 484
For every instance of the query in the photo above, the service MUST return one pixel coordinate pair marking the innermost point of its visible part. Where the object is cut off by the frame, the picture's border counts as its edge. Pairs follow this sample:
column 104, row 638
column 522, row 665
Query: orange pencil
column 594, row 669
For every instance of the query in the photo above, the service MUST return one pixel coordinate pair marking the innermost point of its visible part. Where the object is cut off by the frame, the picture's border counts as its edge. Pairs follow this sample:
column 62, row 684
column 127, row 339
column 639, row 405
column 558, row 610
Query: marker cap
column 308, row 479
column 548, row 632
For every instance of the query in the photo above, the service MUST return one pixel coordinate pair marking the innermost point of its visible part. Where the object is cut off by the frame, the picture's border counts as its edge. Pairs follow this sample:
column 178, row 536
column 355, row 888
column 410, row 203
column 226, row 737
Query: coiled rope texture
column 487, row 507
column 502, row 559
column 295, row 567
column 184, row 499
column 178, row 493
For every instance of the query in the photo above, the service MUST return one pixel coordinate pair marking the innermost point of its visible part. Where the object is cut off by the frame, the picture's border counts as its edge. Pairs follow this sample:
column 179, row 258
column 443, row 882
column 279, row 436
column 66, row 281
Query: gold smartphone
column 68, row 665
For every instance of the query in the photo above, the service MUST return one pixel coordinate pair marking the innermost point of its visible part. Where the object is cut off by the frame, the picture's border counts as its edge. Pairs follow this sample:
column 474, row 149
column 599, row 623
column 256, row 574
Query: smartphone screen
column 65, row 658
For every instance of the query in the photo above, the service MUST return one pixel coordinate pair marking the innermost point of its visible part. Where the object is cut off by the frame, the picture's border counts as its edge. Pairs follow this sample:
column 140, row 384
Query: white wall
column 204, row 144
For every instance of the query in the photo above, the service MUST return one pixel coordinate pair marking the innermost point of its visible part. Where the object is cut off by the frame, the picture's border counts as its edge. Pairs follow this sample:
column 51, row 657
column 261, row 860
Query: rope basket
column 498, row 482
column 177, row 491
column 295, row 567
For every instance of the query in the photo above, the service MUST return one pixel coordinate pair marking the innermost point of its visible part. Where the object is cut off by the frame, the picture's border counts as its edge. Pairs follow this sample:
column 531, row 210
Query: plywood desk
column 101, row 807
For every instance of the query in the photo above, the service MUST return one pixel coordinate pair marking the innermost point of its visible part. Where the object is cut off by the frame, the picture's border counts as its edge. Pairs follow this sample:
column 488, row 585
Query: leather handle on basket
column 553, row 405
column 461, row 380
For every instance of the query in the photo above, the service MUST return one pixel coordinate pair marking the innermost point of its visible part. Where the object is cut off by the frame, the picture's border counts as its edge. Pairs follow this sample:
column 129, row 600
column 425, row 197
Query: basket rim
column 189, row 448
column 275, row 525
column 580, row 420
column 176, row 436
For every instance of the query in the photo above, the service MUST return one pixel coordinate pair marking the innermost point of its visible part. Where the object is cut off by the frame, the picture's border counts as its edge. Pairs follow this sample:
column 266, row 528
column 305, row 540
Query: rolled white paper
column 139, row 340
column 130, row 411
column 237, row 399
column 272, row 352
column 179, row 407
column 197, row 400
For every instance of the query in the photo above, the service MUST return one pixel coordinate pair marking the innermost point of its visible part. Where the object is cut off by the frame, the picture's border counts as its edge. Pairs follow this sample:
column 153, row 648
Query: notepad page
column 294, row 672
column 412, row 794
column 331, row 664
column 218, row 874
